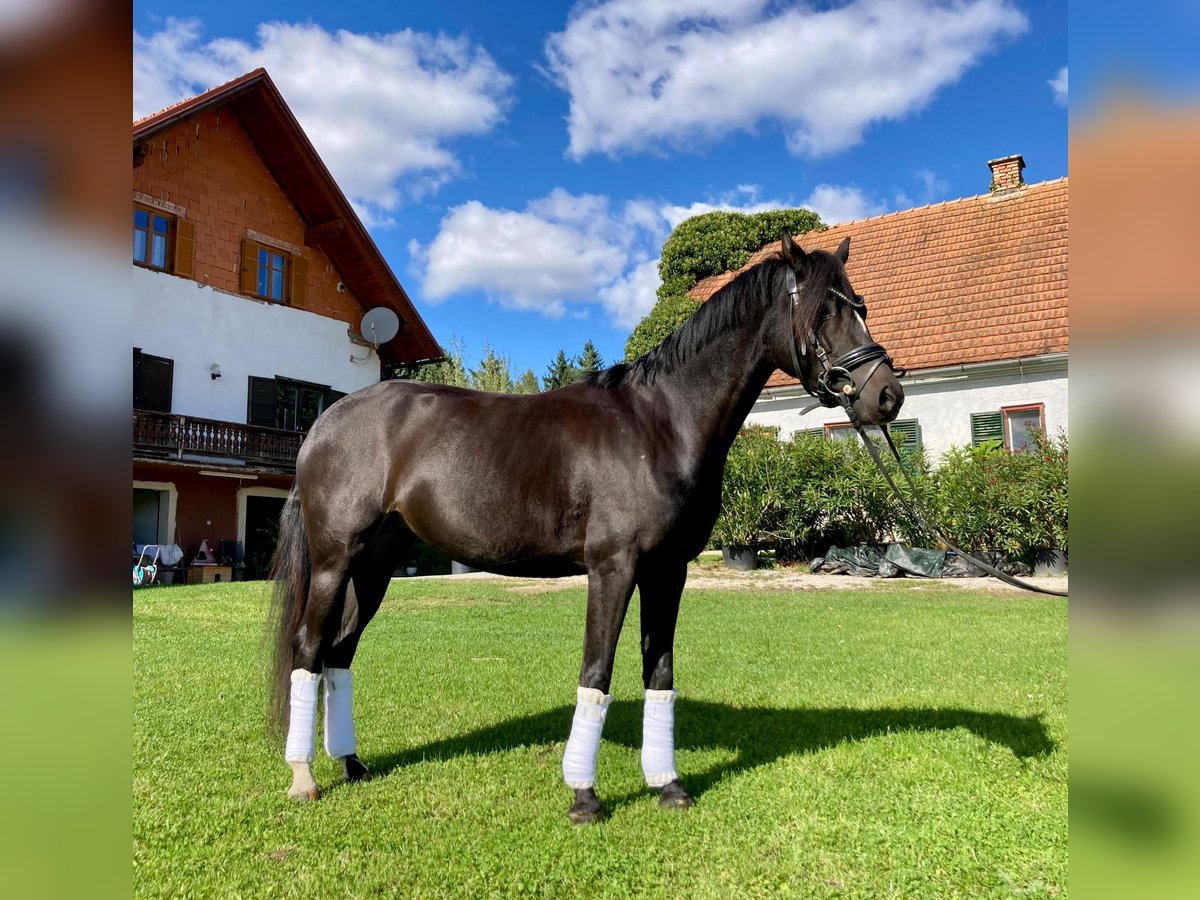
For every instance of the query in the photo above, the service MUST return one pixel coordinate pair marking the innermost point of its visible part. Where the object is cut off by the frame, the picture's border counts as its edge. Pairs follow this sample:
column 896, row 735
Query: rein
column 840, row 369
column 916, row 517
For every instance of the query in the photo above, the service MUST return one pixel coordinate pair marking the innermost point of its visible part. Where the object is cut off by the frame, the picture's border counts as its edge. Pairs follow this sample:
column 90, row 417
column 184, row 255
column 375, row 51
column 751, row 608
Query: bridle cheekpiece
column 839, row 370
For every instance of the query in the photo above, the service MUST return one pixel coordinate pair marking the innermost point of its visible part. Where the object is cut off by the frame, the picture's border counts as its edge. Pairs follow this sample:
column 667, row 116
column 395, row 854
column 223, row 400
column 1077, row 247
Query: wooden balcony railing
column 164, row 434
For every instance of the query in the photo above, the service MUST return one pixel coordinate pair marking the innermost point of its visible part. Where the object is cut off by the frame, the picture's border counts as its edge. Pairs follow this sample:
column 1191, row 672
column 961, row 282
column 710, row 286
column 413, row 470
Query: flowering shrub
column 805, row 495
column 990, row 499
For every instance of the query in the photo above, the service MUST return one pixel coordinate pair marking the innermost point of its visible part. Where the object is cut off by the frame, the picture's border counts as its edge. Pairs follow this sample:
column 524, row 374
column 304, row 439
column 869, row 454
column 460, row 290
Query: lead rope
column 917, row 518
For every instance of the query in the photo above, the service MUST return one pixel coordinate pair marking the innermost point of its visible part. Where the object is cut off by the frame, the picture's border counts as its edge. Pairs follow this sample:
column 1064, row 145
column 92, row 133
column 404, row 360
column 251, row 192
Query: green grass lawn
column 909, row 741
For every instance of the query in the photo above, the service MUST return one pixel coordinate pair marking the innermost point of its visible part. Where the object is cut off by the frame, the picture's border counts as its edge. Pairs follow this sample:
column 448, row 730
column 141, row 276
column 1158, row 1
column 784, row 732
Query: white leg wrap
column 302, row 723
column 658, row 738
column 339, row 718
column 583, row 746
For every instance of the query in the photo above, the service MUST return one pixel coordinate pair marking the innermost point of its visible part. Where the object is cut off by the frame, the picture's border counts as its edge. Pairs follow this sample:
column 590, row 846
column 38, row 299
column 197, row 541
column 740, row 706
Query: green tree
column 590, row 359
column 560, row 373
column 702, row 246
column 666, row 316
column 527, row 384
column 493, row 373
column 449, row 370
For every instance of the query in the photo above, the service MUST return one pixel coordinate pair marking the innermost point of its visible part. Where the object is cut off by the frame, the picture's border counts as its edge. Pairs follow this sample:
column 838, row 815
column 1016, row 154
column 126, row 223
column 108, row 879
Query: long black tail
column 291, row 572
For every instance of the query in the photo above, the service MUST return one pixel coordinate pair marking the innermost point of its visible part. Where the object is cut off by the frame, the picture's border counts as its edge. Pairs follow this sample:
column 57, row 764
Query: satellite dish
column 380, row 325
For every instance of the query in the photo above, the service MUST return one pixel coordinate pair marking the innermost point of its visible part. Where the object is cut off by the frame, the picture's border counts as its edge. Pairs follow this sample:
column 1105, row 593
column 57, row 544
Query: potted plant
column 751, row 496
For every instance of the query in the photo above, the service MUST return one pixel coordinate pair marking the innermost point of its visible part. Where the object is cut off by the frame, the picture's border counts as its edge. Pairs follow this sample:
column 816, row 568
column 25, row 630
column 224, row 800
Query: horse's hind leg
column 371, row 574
column 326, row 592
column 661, row 587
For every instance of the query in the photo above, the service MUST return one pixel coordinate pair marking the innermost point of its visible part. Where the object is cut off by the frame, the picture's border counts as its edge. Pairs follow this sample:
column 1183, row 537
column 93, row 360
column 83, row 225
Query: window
column 906, row 433
column 152, row 380
column 1012, row 426
column 151, row 237
column 841, row 432
column 1019, row 424
column 272, row 274
column 162, row 241
column 287, row 404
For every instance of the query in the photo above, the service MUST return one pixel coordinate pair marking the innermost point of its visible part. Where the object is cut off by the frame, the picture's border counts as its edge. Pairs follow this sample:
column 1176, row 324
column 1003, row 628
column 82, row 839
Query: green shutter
column 988, row 426
column 906, row 434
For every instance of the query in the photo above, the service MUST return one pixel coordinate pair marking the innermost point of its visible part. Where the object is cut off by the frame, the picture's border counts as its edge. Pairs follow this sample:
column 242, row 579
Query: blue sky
column 520, row 164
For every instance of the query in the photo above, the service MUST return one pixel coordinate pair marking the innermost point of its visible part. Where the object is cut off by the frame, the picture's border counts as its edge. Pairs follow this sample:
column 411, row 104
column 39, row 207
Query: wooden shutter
column 906, row 433
column 299, row 280
column 260, row 406
column 152, row 380
column 249, row 267
column 987, row 426
column 185, row 247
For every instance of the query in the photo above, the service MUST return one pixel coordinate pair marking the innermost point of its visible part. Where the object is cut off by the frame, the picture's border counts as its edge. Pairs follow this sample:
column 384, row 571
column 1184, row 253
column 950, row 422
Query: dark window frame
column 324, row 396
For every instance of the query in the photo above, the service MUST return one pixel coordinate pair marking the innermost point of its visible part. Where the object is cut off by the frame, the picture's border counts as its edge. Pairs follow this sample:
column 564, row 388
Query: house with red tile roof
column 251, row 277
column 970, row 296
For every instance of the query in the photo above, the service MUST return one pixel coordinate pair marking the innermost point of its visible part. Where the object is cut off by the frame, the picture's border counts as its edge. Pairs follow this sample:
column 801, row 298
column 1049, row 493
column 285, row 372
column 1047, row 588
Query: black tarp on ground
column 896, row 560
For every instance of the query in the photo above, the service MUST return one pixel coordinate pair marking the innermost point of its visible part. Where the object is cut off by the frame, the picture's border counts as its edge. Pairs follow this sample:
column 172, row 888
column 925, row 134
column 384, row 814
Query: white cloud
column 561, row 249
column 631, row 297
column 648, row 74
column 1058, row 84
column 744, row 198
column 380, row 109
column 564, row 253
column 933, row 186
column 836, row 204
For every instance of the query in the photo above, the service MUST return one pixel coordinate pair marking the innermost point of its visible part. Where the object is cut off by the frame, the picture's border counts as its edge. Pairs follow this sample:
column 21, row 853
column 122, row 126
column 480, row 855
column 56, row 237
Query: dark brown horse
column 618, row 476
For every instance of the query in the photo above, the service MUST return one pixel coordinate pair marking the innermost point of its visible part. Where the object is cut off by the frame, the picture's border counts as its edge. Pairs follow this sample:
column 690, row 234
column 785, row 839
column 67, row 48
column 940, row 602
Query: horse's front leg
column 661, row 587
column 610, row 585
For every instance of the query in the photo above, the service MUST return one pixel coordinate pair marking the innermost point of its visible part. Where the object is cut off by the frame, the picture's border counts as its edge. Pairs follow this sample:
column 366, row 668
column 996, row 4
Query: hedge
column 805, row 495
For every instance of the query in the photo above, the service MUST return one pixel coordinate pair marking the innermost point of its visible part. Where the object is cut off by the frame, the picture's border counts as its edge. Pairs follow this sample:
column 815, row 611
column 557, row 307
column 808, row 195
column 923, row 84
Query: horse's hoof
column 586, row 808
column 355, row 770
column 673, row 796
column 307, row 795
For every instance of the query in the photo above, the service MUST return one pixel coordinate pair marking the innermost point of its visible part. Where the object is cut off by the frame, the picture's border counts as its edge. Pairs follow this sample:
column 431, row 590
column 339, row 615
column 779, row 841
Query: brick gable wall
column 208, row 165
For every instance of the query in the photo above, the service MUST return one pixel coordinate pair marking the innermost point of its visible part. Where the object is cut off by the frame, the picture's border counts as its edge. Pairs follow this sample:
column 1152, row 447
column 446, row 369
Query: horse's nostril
column 888, row 401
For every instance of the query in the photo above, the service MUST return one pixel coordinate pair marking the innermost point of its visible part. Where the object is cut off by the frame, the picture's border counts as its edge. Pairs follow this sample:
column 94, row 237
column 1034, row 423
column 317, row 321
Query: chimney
column 1006, row 173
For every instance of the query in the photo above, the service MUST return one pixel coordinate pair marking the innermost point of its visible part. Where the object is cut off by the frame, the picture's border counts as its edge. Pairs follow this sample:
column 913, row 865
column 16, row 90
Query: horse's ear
column 843, row 250
column 795, row 256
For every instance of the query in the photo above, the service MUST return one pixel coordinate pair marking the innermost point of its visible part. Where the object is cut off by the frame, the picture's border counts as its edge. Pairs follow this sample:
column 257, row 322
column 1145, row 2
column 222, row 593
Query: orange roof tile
column 974, row 280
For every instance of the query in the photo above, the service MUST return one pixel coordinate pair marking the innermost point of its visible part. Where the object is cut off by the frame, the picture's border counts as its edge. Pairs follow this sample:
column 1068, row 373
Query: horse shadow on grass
column 754, row 735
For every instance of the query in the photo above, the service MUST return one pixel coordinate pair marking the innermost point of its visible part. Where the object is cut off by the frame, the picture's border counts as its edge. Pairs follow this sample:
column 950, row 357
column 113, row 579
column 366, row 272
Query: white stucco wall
column 941, row 402
column 197, row 326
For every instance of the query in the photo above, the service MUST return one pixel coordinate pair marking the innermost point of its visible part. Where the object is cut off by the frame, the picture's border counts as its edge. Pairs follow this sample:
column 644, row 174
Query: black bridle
column 840, row 369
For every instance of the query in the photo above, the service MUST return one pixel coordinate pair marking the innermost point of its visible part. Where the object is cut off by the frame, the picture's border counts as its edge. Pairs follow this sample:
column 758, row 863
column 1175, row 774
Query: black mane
column 749, row 294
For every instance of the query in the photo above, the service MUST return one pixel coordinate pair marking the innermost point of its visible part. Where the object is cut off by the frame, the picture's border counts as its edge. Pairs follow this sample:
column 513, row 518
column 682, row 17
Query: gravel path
column 792, row 578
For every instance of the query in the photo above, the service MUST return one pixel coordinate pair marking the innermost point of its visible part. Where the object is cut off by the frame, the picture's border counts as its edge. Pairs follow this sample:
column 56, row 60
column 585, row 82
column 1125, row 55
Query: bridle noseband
column 840, row 369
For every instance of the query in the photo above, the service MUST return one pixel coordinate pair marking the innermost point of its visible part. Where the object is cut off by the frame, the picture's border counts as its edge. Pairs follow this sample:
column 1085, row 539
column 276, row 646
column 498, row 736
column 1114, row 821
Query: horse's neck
column 713, row 391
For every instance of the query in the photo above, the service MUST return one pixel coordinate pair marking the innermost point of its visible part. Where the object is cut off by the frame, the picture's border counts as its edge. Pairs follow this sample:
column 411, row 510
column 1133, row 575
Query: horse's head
column 831, row 350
